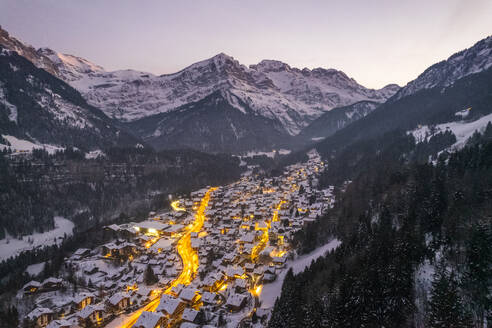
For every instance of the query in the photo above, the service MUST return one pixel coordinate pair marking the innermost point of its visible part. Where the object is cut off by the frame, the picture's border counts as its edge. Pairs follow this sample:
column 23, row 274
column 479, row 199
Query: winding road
column 189, row 258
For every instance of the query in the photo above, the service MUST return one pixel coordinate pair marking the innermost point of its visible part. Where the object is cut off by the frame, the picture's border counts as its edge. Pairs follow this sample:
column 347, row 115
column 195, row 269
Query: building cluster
column 202, row 263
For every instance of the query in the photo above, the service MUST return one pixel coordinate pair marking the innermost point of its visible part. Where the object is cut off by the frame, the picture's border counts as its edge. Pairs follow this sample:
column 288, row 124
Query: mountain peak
column 465, row 62
column 27, row 51
column 269, row 65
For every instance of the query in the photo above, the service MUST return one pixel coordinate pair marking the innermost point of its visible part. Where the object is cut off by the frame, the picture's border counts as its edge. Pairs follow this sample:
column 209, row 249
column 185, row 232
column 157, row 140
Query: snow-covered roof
column 37, row 312
column 32, row 283
column 188, row 293
column 235, row 299
column 168, row 304
column 116, row 298
column 82, row 296
column 52, row 280
column 152, row 224
column 148, row 319
column 189, row 315
column 89, row 309
column 208, row 297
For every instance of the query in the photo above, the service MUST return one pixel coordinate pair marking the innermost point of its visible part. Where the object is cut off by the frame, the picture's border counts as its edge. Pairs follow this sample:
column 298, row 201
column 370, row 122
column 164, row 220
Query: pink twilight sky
column 374, row 41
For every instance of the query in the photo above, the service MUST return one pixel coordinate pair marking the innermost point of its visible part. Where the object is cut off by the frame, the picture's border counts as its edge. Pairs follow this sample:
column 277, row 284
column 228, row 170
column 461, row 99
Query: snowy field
column 11, row 246
column 317, row 138
column 35, row 269
column 270, row 154
column 271, row 291
column 20, row 145
column 462, row 130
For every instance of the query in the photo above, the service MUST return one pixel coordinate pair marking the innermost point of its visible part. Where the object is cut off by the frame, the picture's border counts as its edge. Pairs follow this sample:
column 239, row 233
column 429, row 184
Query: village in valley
column 203, row 263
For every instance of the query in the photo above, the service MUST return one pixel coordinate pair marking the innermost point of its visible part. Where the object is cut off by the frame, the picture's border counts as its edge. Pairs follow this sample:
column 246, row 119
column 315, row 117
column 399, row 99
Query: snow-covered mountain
column 286, row 99
column 472, row 60
column 38, row 108
column 336, row 119
column 27, row 51
column 273, row 89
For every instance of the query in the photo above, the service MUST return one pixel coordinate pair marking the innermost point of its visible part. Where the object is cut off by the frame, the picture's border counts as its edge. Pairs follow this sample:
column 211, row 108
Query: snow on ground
column 270, row 154
column 271, row 291
column 11, row 246
column 94, row 154
column 20, row 145
column 35, row 269
column 317, row 138
column 463, row 130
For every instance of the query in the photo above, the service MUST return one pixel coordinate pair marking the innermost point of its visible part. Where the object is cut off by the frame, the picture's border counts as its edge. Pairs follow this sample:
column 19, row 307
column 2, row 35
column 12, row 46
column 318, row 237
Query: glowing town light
column 176, row 207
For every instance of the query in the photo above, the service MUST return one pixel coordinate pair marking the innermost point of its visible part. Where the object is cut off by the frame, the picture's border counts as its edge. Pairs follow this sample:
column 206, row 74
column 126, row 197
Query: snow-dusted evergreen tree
column 446, row 308
column 285, row 313
column 478, row 275
column 149, row 276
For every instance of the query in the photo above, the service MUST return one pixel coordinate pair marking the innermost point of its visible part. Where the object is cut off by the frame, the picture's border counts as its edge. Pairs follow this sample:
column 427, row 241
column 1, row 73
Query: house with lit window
column 81, row 300
column 31, row 287
column 40, row 316
column 150, row 320
column 91, row 313
column 170, row 306
column 119, row 302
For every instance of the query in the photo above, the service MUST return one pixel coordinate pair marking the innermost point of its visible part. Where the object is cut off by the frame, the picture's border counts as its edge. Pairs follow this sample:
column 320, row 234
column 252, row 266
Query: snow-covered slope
column 289, row 97
column 336, row 119
column 463, row 130
column 472, row 60
column 27, row 51
column 38, row 108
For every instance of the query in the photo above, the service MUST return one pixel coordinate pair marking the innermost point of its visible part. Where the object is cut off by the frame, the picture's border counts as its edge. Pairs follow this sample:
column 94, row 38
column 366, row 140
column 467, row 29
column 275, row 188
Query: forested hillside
column 124, row 181
column 403, row 222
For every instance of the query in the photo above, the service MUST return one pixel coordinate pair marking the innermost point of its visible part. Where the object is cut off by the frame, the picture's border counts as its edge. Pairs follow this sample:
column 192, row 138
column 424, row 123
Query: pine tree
column 478, row 276
column 149, row 276
column 445, row 307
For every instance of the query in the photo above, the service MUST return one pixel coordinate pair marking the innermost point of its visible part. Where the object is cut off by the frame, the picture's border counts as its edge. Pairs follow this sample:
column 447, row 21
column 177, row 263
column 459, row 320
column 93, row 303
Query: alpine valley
column 228, row 196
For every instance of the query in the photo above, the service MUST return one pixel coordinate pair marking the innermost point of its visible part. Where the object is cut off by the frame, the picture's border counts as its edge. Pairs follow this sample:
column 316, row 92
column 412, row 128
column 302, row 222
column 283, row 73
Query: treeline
column 87, row 191
column 396, row 215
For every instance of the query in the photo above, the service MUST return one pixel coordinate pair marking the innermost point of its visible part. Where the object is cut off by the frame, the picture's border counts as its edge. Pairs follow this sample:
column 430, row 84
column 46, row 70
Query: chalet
column 83, row 299
column 119, row 302
column 241, row 285
column 190, row 295
column 31, row 287
column 151, row 227
column 209, row 298
column 170, row 306
column 119, row 250
column 235, row 302
column 174, row 229
column 190, row 315
column 234, row 271
column 81, row 253
column 280, row 260
column 91, row 313
column 150, row 320
column 144, row 294
column 40, row 316
column 162, row 245
column 50, row 284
